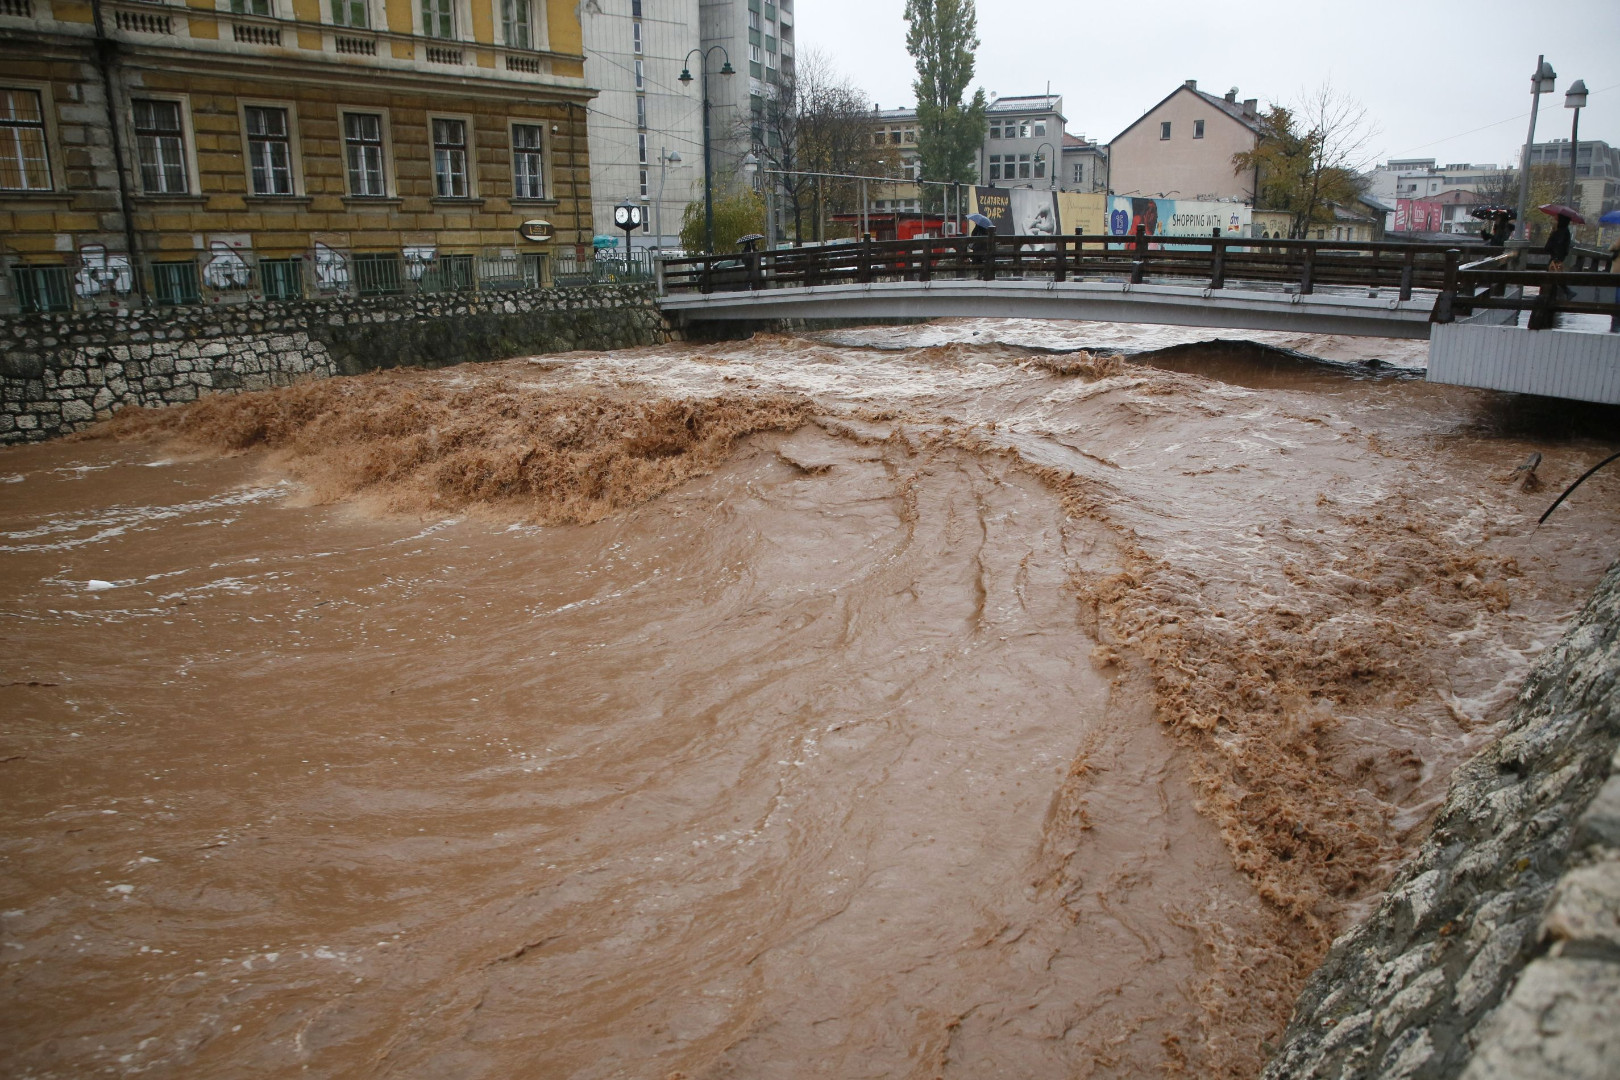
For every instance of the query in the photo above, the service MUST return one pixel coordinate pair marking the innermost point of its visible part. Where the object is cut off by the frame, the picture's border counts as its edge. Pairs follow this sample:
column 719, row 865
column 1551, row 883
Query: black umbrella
column 1485, row 213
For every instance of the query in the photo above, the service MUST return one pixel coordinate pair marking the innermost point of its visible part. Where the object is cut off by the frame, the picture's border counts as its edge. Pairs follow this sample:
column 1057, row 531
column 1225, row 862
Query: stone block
column 1586, row 905
column 188, row 350
column 1601, row 822
column 1562, row 1022
column 77, row 412
column 214, row 348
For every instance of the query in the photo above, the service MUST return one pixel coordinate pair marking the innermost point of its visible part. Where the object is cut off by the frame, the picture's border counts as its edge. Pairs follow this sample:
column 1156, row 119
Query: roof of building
column 1026, row 103
column 894, row 114
column 1234, row 108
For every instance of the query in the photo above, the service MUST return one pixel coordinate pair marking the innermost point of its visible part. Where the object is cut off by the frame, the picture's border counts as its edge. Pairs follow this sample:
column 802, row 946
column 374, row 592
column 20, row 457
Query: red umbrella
column 1560, row 210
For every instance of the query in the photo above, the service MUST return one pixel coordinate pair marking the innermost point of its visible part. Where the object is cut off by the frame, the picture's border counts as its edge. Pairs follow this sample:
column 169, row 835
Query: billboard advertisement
column 1175, row 217
column 1019, row 211
column 1417, row 215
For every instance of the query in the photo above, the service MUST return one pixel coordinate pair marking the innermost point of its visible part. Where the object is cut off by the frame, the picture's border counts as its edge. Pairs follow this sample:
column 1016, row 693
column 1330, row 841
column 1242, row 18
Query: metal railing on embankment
column 1214, row 263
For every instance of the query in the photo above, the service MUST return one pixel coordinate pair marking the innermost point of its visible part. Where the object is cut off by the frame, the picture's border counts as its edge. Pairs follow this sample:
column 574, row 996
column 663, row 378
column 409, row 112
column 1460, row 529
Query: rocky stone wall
column 1495, row 953
column 61, row 372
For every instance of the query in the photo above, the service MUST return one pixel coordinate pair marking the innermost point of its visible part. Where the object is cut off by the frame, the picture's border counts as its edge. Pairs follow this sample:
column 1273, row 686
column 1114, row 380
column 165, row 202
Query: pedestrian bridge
column 1298, row 286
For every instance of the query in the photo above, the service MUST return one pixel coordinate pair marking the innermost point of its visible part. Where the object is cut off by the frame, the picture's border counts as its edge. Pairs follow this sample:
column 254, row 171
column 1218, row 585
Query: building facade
column 646, row 137
column 1183, row 147
column 1422, row 178
column 1597, row 173
column 1023, row 145
column 163, row 152
column 1085, row 165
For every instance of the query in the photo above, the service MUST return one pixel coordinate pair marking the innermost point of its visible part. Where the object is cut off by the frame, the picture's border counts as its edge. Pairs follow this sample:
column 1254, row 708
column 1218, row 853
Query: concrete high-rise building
column 645, row 126
column 758, row 37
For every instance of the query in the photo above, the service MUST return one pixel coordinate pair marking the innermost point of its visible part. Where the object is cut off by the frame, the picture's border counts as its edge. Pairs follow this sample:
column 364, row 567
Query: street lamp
column 708, row 157
column 1574, row 98
column 1541, row 82
column 664, row 161
column 1056, row 163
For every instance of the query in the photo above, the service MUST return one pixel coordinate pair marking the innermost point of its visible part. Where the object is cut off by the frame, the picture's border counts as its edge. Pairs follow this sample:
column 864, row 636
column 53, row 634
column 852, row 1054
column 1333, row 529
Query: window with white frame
column 515, row 23
column 1023, row 166
column 1198, row 129
column 160, row 146
column 250, row 7
column 528, row 162
column 995, row 166
column 350, row 13
column 635, row 36
column 640, row 76
column 641, row 147
column 439, row 18
column 643, row 183
column 1023, row 129
column 641, row 110
column 363, row 154
column 450, row 158
column 24, row 164
column 1040, row 166
column 1040, row 129
column 269, row 150
column 1164, row 130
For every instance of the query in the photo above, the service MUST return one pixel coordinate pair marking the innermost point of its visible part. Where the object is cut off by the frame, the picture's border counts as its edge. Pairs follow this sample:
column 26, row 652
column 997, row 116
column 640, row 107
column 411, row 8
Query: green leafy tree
column 942, row 36
column 1308, row 159
column 738, row 214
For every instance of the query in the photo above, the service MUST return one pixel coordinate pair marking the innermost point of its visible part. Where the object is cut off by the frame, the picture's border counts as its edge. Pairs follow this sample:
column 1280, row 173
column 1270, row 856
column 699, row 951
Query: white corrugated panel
column 1553, row 363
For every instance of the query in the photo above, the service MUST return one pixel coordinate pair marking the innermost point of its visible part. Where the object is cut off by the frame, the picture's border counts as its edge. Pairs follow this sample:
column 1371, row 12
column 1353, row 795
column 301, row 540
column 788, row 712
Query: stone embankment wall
column 1495, row 953
column 61, row 372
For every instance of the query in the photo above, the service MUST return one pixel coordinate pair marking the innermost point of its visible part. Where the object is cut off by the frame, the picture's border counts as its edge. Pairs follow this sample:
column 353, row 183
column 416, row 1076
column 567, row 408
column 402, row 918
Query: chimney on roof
column 1231, row 95
column 1191, row 84
column 1251, row 106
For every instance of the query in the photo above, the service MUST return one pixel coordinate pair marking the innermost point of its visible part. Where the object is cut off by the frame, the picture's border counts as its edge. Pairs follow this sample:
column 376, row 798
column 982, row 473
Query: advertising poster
column 1083, row 212
column 1019, row 211
column 1414, row 215
column 1176, row 217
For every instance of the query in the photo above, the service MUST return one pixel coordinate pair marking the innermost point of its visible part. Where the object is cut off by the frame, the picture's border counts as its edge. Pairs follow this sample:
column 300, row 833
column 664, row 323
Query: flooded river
column 933, row 701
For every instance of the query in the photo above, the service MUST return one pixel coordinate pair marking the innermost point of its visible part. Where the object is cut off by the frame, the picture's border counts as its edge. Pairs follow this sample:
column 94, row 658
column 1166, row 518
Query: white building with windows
column 646, row 128
column 1023, row 145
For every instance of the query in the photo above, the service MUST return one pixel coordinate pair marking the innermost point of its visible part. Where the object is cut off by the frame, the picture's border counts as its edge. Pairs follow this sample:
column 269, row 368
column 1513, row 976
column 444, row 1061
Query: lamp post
column 708, row 155
column 1540, row 83
column 1574, row 98
column 1051, row 172
column 665, row 160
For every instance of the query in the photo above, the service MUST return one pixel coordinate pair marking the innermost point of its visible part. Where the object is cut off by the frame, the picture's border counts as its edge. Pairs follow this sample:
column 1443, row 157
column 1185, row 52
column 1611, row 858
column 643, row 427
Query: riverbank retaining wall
column 1495, row 953
column 62, row 372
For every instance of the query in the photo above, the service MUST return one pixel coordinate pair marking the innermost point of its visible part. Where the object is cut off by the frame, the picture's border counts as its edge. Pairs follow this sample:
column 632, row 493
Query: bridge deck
column 1239, row 306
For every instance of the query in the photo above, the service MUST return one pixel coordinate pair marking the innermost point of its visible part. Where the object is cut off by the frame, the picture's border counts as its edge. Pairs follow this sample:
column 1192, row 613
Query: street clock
column 627, row 216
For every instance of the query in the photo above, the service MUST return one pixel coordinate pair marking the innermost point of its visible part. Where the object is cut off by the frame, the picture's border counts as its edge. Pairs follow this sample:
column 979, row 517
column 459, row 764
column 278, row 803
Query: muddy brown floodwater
column 904, row 702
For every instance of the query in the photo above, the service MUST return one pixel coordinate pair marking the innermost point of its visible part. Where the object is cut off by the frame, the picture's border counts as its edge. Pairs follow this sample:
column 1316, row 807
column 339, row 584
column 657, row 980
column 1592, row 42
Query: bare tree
column 817, row 121
column 1310, row 156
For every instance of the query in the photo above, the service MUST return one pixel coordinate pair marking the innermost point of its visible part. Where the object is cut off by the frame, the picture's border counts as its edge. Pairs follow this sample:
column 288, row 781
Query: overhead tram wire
column 1487, row 127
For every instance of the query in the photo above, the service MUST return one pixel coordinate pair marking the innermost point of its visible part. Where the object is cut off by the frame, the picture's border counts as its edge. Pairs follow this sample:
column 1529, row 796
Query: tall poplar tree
column 942, row 36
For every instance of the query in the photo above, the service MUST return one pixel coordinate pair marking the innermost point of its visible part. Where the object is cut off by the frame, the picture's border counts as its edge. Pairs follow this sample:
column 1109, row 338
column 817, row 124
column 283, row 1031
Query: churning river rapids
column 931, row 701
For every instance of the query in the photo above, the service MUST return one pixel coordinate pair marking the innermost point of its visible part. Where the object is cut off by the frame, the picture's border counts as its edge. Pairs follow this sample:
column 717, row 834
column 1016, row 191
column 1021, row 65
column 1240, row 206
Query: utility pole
column 1540, row 83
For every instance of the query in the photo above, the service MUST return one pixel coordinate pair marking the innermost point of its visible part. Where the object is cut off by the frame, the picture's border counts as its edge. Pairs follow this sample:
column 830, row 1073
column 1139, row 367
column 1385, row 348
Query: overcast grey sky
column 1449, row 81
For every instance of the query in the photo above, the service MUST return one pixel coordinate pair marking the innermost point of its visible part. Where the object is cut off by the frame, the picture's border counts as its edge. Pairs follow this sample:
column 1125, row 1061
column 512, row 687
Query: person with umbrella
column 1558, row 244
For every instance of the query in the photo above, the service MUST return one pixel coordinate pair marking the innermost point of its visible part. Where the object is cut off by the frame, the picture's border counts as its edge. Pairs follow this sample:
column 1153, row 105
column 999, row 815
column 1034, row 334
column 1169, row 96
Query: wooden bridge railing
column 1488, row 279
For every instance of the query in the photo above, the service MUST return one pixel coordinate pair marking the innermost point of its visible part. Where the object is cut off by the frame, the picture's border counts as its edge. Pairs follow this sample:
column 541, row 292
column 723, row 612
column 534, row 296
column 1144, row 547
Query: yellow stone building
column 227, row 150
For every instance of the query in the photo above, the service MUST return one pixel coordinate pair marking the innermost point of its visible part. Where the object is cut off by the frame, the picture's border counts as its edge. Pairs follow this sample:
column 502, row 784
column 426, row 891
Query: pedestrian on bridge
column 1558, row 245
